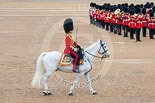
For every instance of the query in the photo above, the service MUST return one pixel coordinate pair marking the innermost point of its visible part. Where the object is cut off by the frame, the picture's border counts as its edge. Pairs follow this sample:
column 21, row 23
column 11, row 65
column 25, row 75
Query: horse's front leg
column 75, row 82
column 89, row 84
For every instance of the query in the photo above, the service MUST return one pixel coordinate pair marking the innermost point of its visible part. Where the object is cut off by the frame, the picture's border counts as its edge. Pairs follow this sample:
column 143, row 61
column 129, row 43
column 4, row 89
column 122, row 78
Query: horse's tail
column 37, row 79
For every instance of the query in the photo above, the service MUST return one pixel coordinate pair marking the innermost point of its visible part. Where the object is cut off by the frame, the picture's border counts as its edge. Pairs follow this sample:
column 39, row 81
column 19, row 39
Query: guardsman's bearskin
column 151, row 13
column 68, row 25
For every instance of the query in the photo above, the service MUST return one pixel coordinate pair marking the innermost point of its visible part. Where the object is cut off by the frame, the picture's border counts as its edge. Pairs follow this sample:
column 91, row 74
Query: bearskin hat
column 108, row 4
column 144, row 11
column 141, row 6
column 138, row 10
column 147, row 3
column 100, row 7
column 94, row 5
column 153, row 8
column 125, row 9
column 145, row 6
column 119, row 5
column 103, row 7
column 115, row 7
column 151, row 13
column 149, row 6
column 126, row 4
column 152, row 3
column 91, row 4
column 132, row 11
column 132, row 4
column 107, row 8
column 68, row 25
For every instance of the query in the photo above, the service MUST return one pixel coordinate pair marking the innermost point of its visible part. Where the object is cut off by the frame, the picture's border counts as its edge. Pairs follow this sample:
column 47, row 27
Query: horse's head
column 103, row 49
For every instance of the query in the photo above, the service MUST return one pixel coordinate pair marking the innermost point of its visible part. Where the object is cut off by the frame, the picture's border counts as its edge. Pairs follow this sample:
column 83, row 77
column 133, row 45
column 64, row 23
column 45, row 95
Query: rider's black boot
column 77, row 69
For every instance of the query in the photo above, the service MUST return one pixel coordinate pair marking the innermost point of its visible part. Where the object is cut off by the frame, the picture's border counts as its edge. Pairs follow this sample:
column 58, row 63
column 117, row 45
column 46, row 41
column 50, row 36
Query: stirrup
column 77, row 69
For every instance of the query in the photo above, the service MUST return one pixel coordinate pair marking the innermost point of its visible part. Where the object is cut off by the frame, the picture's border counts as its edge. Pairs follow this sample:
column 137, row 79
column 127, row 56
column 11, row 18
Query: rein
column 95, row 55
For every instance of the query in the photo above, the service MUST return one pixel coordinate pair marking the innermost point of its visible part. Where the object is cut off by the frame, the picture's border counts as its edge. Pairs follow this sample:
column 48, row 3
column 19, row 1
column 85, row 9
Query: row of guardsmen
column 131, row 18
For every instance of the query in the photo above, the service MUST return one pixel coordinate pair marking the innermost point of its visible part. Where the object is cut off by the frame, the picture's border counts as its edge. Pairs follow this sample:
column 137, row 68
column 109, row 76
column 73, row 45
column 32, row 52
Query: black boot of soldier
column 151, row 33
column 111, row 27
column 138, row 35
column 131, row 33
column 107, row 26
column 103, row 24
column 77, row 69
column 125, row 31
column 144, row 31
column 115, row 28
column 119, row 29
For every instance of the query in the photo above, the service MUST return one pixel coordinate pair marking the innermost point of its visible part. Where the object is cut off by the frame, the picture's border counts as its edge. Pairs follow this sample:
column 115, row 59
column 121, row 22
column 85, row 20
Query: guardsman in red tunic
column 132, row 23
column 138, row 24
column 106, row 18
column 125, row 18
column 94, row 13
column 112, row 15
column 149, row 6
column 151, row 24
column 114, row 21
column 91, row 13
column 102, row 17
column 70, row 43
column 154, row 15
column 97, row 15
column 118, row 20
column 144, row 22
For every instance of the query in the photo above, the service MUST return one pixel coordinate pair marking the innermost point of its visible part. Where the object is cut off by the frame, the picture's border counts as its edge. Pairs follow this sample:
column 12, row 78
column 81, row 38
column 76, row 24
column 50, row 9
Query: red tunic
column 102, row 15
column 70, row 44
column 97, row 13
column 112, row 20
column 118, row 20
column 144, row 21
column 131, row 22
column 138, row 22
column 125, row 20
column 106, row 19
column 94, row 13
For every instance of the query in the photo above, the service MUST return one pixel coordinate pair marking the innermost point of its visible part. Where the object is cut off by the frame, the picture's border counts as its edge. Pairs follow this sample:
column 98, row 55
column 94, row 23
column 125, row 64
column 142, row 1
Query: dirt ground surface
column 29, row 28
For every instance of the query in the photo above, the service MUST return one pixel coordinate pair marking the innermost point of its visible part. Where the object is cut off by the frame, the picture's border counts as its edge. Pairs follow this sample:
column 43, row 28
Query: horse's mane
column 91, row 47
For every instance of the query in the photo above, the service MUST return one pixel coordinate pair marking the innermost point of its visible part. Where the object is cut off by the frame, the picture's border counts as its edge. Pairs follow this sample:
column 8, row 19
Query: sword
column 76, row 35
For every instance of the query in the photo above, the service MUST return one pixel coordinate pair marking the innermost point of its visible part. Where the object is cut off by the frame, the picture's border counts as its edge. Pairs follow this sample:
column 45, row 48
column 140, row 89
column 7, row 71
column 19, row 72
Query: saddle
column 67, row 60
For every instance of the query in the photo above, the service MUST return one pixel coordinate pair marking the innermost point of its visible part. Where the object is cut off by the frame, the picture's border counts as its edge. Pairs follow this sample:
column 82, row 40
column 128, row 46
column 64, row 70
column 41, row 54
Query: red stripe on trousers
column 75, row 59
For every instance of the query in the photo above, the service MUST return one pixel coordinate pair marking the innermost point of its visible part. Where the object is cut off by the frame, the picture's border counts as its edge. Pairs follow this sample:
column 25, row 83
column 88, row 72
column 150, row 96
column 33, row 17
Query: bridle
column 101, row 46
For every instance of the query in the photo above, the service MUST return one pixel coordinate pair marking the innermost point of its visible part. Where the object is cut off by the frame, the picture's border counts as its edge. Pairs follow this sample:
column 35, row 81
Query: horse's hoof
column 45, row 94
column 95, row 93
column 49, row 93
column 70, row 94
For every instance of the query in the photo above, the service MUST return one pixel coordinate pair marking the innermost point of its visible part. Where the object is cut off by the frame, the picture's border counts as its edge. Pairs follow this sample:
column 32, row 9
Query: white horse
column 50, row 61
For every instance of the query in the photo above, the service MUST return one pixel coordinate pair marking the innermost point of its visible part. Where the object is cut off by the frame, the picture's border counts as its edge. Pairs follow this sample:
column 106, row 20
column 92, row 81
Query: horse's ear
column 98, row 40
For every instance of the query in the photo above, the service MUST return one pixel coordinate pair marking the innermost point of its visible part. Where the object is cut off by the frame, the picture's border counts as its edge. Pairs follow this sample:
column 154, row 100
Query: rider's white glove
column 75, row 49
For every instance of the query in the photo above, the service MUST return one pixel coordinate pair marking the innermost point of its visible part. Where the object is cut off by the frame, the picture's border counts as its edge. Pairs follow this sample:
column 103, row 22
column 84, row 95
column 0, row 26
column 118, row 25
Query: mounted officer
column 72, row 47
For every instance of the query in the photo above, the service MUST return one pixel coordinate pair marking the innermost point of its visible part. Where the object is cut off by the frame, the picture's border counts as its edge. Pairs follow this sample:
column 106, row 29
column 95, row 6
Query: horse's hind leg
column 45, row 80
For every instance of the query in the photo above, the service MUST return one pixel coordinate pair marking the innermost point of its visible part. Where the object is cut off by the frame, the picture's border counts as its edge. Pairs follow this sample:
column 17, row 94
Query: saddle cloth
column 68, row 60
